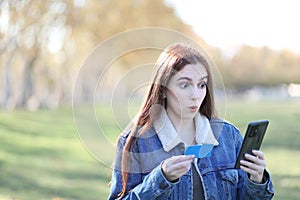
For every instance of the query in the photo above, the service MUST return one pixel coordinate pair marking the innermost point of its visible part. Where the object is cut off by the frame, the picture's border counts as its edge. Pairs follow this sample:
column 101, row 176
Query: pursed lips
column 193, row 108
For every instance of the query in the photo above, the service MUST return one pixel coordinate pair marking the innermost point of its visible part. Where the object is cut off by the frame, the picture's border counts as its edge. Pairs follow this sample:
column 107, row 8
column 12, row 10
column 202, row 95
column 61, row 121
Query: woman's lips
column 193, row 108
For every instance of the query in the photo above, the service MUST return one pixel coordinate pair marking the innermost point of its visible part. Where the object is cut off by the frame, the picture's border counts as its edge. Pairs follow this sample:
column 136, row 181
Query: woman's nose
column 195, row 93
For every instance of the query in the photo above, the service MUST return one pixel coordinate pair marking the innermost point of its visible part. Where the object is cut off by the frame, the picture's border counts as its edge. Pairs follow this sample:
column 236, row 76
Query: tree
column 252, row 66
column 54, row 36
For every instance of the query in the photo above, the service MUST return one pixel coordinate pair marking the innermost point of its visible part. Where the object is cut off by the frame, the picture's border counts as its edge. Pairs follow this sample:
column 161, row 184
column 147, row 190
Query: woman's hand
column 254, row 165
column 176, row 166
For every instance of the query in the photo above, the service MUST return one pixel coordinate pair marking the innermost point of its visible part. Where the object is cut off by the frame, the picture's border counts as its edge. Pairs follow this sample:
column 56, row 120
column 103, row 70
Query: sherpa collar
column 169, row 137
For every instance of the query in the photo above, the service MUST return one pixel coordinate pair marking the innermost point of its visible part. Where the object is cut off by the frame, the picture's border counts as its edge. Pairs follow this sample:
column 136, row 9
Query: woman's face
column 186, row 92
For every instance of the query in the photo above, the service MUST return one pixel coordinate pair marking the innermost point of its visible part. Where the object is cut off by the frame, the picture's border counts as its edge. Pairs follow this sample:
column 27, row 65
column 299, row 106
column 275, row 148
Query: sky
column 227, row 24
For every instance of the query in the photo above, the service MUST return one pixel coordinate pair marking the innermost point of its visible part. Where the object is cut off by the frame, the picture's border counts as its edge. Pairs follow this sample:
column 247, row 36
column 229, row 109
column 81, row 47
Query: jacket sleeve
column 253, row 191
column 139, row 185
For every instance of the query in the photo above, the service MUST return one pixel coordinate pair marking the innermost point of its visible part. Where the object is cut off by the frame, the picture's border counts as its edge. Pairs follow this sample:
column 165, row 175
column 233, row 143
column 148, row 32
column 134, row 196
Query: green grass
column 42, row 157
column 282, row 141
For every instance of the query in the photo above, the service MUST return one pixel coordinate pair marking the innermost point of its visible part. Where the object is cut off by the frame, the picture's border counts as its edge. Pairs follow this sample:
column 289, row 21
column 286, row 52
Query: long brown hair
column 172, row 59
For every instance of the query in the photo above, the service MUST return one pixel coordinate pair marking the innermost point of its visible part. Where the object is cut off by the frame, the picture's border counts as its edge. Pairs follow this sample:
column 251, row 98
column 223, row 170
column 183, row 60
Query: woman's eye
column 202, row 85
column 183, row 85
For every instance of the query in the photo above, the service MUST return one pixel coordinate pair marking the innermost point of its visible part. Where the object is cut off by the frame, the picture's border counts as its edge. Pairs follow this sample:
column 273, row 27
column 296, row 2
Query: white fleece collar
column 168, row 135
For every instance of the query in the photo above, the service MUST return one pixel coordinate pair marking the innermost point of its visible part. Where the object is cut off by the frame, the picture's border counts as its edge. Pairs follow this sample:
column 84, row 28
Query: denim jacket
column 219, row 178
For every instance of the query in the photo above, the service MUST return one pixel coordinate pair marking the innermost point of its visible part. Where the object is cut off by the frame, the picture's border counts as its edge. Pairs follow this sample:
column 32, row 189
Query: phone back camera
column 253, row 131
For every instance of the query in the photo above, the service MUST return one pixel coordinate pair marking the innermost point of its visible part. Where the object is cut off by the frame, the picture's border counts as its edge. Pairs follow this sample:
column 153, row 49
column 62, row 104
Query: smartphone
column 253, row 139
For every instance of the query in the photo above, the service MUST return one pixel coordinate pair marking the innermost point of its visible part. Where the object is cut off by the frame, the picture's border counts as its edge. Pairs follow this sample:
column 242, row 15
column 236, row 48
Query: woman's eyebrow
column 204, row 77
column 184, row 78
column 189, row 79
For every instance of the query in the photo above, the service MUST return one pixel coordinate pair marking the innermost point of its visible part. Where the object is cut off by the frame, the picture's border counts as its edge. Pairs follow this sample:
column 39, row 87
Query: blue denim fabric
column 220, row 180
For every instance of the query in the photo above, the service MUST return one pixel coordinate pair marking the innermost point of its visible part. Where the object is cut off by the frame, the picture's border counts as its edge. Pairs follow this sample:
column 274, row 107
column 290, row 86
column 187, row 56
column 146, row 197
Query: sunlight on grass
column 42, row 156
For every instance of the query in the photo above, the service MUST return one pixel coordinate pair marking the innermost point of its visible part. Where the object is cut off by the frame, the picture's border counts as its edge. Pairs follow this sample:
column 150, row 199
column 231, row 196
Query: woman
column 178, row 112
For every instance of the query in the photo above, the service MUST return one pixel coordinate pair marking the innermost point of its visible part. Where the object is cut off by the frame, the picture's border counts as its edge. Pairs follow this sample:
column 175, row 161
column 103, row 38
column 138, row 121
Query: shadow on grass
column 287, row 187
column 51, row 178
column 33, row 188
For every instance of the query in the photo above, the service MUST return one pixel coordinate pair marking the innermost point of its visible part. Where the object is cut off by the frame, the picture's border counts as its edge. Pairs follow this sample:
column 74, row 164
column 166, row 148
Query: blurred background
column 254, row 44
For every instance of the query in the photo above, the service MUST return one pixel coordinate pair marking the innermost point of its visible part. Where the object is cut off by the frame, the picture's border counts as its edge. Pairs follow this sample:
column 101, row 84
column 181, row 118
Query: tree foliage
column 261, row 66
column 43, row 43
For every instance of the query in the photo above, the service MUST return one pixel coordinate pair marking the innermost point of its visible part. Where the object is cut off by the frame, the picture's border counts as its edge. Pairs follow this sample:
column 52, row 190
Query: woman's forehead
column 194, row 71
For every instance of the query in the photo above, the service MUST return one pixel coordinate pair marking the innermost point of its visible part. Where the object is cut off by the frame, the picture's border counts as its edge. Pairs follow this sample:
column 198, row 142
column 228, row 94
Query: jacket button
column 162, row 186
column 202, row 165
column 181, row 148
column 212, row 198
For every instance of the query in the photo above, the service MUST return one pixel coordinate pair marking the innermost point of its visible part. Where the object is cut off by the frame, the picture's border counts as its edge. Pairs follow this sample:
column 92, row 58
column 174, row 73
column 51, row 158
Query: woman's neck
column 185, row 129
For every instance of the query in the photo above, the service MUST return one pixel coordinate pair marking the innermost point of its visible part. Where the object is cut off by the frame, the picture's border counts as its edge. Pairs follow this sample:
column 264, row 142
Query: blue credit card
column 200, row 151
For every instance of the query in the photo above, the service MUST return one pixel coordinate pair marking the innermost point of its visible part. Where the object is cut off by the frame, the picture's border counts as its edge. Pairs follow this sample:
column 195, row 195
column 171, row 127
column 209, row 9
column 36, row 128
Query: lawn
column 42, row 156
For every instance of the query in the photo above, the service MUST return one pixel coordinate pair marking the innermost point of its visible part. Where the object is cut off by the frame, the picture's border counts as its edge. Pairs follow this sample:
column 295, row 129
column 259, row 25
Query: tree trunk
column 27, row 90
column 7, row 91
